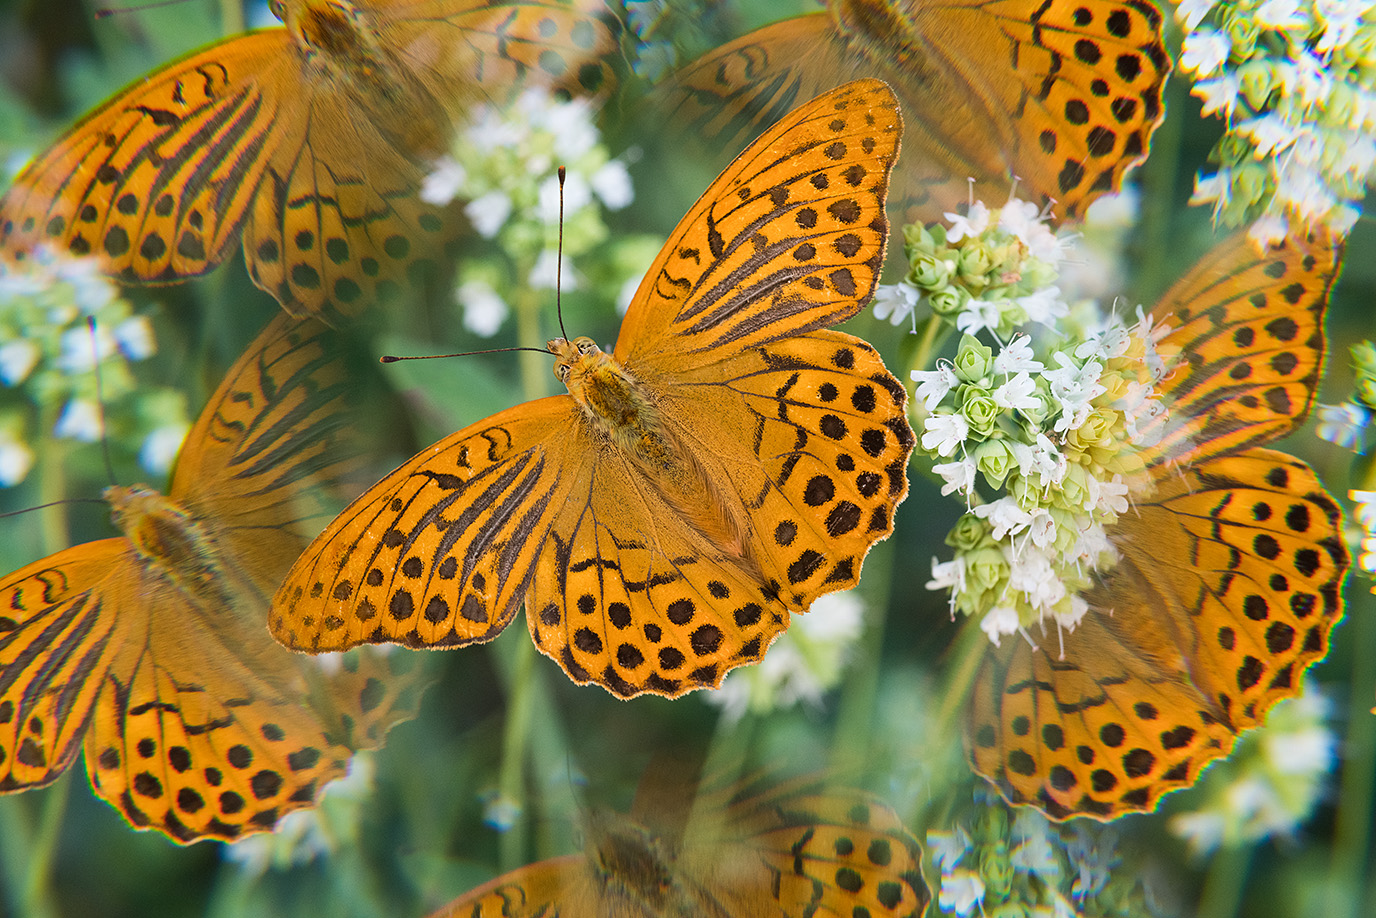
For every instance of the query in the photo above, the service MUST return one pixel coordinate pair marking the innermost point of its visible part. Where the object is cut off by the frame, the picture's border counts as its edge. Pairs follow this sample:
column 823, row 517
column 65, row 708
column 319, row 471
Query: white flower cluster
column 1269, row 785
column 1057, row 429
column 49, row 356
column 803, row 663
column 1365, row 515
column 990, row 269
column 505, row 164
column 1029, row 867
column 1295, row 80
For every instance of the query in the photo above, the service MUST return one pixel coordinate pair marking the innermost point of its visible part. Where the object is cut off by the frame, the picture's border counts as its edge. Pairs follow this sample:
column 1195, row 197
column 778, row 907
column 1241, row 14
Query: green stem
column 1157, row 256
column 934, row 333
column 970, row 648
column 1224, row 882
column 1352, row 835
column 855, row 710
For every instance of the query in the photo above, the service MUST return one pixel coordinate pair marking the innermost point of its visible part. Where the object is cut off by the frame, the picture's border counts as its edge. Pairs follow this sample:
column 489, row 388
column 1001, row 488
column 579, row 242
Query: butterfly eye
column 561, row 371
column 587, row 346
column 277, row 9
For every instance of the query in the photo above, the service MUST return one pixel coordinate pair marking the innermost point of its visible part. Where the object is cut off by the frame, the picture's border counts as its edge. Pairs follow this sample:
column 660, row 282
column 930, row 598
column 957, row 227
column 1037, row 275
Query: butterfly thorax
column 339, row 39
column 878, row 28
column 624, row 412
column 170, row 539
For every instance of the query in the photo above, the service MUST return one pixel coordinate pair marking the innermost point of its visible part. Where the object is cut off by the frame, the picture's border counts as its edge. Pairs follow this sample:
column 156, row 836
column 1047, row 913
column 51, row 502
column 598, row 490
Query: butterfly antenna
column 100, row 399
column 106, row 11
column 390, row 358
column 559, row 260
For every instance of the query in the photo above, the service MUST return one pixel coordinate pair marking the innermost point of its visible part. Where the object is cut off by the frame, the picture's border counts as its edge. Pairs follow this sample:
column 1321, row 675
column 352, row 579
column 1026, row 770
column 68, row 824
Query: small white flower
column 1004, row 516
column 81, row 350
column 958, row 475
column 978, row 315
column 1017, row 394
column 972, row 224
column 1192, row 12
column 933, row 385
column 1219, row 94
column 1044, row 306
column 895, row 302
column 1268, row 230
column 947, row 848
column 1270, row 133
column 445, row 183
column 577, row 195
column 1016, row 357
column 1112, row 496
column 942, row 433
column 135, row 338
column 999, row 621
column 545, row 274
column 80, row 420
column 488, row 212
column 16, row 459
column 612, row 184
column 1205, row 51
column 1344, row 425
column 1280, row 14
column 17, row 360
column 484, row 310
column 1341, row 19
column 961, row 892
column 1028, row 223
column 160, row 448
column 947, row 575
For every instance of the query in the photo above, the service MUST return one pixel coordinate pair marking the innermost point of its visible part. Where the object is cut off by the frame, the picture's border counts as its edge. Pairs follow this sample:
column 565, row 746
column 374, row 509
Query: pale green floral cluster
column 1365, row 516
column 1295, row 81
column 988, row 269
column 50, row 358
column 1054, row 433
column 1346, row 424
column 803, row 663
column 1270, row 783
column 1020, row 865
column 504, row 164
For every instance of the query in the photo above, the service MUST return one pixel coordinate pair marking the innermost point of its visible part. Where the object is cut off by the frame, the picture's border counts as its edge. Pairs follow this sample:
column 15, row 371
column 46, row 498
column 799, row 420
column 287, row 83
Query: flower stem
column 1223, row 884
column 855, row 711
column 1352, row 834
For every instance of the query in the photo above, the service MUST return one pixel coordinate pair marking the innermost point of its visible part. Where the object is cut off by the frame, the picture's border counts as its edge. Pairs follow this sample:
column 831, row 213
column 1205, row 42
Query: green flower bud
column 1074, row 488
column 1232, row 148
column 1097, row 430
column 948, row 301
column 980, row 410
column 1010, row 909
column 929, row 272
column 974, row 361
column 1364, row 357
column 974, row 262
column 985, row 569
column 969, row 533
column 994, row 459
column 1256, row 81
column 1242, row 31
column 1366, row 391
column 996, row 869
column 1252, row 183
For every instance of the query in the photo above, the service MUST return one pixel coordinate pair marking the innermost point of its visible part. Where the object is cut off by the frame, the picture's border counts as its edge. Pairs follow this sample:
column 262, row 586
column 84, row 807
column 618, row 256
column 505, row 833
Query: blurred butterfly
column 730, row 462
column 308, row 141
column 1230, row 573
column 1062, row 95
column 787, row 849
column 150, row 648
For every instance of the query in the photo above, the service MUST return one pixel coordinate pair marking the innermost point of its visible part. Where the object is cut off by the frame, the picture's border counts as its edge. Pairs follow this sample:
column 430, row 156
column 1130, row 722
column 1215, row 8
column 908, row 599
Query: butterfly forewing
column 788, row 239
column 313, row 140
column 1062, row 96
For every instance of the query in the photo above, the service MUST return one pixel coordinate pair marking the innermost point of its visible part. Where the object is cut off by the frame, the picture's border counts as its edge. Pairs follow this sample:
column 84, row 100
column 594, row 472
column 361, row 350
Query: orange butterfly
column 790, row 850
column 1061, row 95
column 1230, row 571
column 151, row 646
column 308, row 141
column 730, row 462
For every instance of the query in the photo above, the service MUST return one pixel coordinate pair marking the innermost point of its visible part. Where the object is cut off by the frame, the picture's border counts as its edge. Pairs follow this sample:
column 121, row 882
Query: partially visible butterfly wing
column 57, row 637
column 157, row 181
column 799, row 847
column 1248, row 329
column 790, row 238
column 560, row 887
column 442, row 551
column 1173, row 660
column 1062, row 96
column 276, row 449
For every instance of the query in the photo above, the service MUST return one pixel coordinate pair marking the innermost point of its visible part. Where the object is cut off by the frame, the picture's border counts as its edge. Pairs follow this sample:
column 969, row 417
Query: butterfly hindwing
column 1173, row 660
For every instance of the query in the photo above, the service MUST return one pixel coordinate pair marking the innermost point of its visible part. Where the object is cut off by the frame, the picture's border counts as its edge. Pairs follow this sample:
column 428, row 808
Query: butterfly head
column 163, row 532
column 629, row 856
